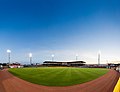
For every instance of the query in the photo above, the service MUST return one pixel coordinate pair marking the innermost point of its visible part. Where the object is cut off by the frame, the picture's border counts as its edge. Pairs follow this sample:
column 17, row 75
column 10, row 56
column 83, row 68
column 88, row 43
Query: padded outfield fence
column 117, row 87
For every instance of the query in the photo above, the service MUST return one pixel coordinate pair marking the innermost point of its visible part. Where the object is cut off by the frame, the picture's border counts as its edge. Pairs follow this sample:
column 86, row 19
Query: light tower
column 30, row 58
column 53, row 57
column 9, row 52
column 99, row 55
column 76, row 57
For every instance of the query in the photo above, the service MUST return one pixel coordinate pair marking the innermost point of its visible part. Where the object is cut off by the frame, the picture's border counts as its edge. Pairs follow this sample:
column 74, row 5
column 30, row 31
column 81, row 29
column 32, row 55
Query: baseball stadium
column 59, row 45
column 59, row 76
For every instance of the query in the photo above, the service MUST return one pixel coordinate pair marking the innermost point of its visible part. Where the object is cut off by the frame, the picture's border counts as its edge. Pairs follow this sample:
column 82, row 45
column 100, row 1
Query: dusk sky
column 60, row 27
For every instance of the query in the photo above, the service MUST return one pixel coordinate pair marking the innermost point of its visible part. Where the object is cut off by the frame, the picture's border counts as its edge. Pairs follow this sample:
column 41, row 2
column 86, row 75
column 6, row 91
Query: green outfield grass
column 58, row 76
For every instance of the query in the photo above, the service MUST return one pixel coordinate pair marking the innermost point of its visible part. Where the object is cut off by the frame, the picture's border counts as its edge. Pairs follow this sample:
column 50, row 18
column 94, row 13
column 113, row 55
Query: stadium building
column 114, row 66
column 72, row 63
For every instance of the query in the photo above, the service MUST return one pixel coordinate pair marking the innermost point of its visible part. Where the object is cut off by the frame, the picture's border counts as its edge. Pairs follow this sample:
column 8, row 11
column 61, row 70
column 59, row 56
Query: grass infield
column 58, row 76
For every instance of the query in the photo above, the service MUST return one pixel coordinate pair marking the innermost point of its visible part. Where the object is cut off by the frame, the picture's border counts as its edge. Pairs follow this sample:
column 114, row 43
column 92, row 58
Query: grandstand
column 65, row 63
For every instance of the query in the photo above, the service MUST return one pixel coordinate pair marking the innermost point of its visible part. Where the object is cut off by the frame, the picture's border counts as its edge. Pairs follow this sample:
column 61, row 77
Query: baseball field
column 58, row 76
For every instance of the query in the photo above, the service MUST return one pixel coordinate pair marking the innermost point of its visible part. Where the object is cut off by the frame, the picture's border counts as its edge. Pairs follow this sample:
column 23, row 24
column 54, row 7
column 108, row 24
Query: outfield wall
column 117, row 87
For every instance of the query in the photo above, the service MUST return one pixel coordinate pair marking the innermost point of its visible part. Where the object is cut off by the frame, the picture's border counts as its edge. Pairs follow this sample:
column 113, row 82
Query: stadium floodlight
column 53, row 57
column 9, row 52
column 30, row 58
column 30, row 54
column 99, row 54
column 76, row 57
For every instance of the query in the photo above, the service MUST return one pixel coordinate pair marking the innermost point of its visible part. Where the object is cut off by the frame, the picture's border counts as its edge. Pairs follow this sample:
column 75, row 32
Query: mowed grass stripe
column 36, row 71
column 64, row 78
column 55, row 80
column 58, row 76
column 47, row 79
column 89, row 72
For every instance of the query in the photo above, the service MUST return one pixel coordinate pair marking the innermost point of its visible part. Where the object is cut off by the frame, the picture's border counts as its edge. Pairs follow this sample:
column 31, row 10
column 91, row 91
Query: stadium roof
column 64, row 61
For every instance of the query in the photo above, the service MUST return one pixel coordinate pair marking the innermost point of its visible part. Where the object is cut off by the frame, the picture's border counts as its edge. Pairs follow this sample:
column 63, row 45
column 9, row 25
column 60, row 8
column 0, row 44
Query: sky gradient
column 60, row 27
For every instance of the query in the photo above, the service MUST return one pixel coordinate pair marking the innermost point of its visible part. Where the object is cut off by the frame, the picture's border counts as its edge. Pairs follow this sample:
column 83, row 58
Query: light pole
column 9, row 52
column 76, row 57
column 53, row 57
column 107, row 61
column 99, row 53
column 30, row 58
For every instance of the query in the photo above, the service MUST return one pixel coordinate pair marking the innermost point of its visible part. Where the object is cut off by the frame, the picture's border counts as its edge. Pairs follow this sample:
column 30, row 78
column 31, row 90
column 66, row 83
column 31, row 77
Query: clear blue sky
column 60, row 27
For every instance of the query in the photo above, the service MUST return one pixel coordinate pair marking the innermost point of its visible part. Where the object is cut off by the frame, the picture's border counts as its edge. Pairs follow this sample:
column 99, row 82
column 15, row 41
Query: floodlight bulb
column 53, row 55
column 8, row 51
column 30, row 54
column 76, row 55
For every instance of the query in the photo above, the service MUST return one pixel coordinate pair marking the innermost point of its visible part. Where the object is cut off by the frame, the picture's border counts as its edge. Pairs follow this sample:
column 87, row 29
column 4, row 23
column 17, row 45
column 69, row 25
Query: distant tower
column 53, row 57
column 99, row 53
column 30, row 58
column 76, row 57
column 9, row 52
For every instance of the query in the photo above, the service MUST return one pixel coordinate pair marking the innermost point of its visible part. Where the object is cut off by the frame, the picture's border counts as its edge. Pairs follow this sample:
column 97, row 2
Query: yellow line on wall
column 117, row 87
